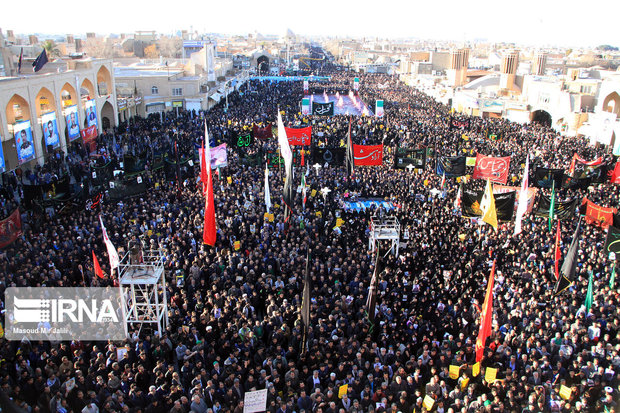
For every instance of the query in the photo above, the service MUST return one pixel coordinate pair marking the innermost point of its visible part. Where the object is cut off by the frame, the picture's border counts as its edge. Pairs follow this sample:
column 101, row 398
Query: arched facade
column 611, row 103
column 68, row 95
column 87, row 90
column 44, row 102
column 262, row 63
column 104, row 81
column 107, row 116
column 17, row 110
column 541, row 116
column 31, row 98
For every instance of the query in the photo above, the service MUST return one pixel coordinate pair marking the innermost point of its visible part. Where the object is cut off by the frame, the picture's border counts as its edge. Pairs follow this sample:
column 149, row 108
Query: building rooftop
column 147, row 72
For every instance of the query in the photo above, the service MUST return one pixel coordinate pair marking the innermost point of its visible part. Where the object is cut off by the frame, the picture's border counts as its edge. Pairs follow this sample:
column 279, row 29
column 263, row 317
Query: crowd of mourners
column 234, row 309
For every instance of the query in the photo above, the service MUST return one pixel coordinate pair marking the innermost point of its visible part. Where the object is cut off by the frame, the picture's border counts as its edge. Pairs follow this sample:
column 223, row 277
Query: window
column 586, row 89
column 154, row 90
column 177, row 91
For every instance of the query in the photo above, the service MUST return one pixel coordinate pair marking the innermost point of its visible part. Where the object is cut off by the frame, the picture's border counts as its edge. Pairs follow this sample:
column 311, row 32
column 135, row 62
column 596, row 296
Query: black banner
column 544, row 177
column 133, row 165
column 459, row 124
column 101, row 175
column 504, row 204
column 94, row 202
column 170, row 168
column 561, row 210
column 59, row 190
column 597, row 174
column 274, row 159
column 158, row 163
column 251, row 160
column 405, row 157
column 127, row 188
column 244, row 141
column 576, row 183
column 323, row 109
column 331, row 156
column 612, row 243
column 451, row 165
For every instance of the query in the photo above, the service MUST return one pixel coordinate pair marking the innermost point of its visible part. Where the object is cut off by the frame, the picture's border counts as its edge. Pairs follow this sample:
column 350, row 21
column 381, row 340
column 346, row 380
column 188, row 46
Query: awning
column 216, row 97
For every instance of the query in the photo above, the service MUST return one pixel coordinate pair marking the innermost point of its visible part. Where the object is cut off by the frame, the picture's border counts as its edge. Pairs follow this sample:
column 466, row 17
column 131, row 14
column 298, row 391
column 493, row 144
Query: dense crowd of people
column 234, row 309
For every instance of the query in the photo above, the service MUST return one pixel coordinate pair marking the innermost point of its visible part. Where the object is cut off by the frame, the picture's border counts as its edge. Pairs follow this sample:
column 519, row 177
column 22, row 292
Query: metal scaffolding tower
column 143, row 290
column 387, row 228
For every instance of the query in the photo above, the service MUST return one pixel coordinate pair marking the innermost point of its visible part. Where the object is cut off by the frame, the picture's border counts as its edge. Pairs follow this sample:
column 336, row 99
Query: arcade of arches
column 32, row 98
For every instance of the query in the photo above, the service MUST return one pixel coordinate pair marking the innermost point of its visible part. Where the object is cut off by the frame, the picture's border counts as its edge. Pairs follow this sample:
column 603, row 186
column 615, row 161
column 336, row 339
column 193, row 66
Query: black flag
column 567, row 273
column 305, row 304
column 40, row 61
column 323, row 109
column 451, row 166
column 329, row 156
column 405, row 157
column 19, row 62
column 544, row 177
column 350, row 157
column 504, row 204
column 561, row 210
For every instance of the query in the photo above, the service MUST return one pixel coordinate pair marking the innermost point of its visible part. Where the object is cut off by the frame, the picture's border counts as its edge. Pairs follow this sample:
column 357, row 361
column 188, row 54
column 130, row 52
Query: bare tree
column 99, row 48
column 170, row 46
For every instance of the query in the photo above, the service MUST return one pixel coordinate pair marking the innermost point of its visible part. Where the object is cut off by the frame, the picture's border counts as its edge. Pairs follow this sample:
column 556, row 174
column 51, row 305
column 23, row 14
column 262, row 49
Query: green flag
column 552, row 206
column 589, row 295
column 613, row 277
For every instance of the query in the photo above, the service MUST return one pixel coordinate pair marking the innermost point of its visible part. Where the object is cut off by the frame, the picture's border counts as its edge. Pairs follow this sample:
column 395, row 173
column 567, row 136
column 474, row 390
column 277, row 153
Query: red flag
column 98, row 270
column 486, row 318
column 10, row 228
column 368, row 154
column 558, row 253
column 571, row 169
column 299, row 136
column 615, row 175
column 598, row 215
column 494, row 169
column 203, row 169
column 595, row 162
column 209, row 232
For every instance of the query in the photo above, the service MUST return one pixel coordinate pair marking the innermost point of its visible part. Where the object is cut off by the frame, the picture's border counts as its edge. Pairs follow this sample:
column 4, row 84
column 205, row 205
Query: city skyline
column 549, row 26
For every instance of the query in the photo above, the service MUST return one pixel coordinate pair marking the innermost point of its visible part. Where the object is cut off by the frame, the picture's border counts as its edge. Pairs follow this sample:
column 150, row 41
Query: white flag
column 267, row 194
column 207, row 150
column 522, row 206
column 457, row 201
column 285, row 148
column 112, row 254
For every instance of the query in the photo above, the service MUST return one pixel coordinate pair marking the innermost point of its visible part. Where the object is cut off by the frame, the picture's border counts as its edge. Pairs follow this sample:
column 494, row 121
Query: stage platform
column 344, row 104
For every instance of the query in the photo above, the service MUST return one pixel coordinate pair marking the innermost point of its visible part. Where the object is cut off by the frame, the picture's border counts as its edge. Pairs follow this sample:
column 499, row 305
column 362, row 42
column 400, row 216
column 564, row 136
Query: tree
column 170, row 46
column 151, row 52
column 607, row 48
column 50, row 48
column 97, row 47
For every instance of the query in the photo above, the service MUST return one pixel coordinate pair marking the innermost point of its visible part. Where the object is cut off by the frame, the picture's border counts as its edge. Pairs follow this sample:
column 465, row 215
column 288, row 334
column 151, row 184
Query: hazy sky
column 533, row 22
